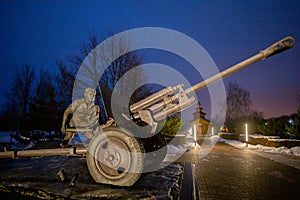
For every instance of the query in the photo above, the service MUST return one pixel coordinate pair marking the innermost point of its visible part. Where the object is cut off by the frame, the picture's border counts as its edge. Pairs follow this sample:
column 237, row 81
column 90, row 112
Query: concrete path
column 231, row 173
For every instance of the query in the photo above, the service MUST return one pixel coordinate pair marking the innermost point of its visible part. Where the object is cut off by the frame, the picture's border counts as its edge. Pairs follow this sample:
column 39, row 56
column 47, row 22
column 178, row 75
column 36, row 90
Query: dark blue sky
column 44, row 32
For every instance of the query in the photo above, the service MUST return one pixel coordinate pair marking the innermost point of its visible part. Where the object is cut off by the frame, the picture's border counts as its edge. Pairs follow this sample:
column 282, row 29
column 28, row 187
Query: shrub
column 171, row 126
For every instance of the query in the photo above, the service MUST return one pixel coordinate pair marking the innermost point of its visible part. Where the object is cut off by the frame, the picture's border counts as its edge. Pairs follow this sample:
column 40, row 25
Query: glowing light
column 195, row 133
column 191, row 131
column 246, row 127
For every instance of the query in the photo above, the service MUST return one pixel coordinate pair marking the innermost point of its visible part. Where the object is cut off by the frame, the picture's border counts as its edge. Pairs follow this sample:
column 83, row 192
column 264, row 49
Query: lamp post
column 212, row 131
column 195, row 134
column 291, row 122
column 246, row 128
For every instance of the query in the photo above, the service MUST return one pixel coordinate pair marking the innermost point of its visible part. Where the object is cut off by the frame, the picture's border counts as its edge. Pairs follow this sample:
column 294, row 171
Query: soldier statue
column 82, row 114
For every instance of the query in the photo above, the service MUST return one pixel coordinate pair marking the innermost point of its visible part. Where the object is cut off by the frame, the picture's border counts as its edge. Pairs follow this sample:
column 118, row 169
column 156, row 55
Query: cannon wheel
column 114, row 157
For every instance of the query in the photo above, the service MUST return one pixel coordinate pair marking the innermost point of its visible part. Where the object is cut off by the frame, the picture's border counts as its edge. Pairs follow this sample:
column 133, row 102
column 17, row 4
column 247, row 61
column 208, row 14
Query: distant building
column 199, row 122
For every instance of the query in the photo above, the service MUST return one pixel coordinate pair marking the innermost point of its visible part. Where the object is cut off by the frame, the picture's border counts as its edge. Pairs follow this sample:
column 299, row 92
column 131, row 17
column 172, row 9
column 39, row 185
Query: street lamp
column 291, row 122
column 212, row 130
column 195, row 134
column 246, row 127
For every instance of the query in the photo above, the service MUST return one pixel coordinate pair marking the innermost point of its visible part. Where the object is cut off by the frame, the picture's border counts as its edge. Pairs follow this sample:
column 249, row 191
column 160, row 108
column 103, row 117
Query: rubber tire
column 136, row 160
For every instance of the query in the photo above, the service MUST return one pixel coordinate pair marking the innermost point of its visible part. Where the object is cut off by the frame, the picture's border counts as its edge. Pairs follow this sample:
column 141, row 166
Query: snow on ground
column 180, row 149
column 5, row 136
column 261, row 136
column 258, row 147
column 177, row 150
column 8, row 139
column 190, row 144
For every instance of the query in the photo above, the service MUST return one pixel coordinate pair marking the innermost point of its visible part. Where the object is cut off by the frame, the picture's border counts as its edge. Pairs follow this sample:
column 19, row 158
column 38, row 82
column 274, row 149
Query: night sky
column 44, row 32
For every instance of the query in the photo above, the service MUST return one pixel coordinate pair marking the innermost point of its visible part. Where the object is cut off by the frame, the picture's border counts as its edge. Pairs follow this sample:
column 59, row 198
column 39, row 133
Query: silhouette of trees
column 20, row 95
column 38, row 100
column 64, row 82
column 293, row 126
column 238, row 107
column 45, row 113
column 274, row 126
column 32, row 101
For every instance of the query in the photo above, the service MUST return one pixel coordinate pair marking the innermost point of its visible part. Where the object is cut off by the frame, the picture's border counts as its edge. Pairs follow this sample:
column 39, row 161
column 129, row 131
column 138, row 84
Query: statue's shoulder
column 78, row 102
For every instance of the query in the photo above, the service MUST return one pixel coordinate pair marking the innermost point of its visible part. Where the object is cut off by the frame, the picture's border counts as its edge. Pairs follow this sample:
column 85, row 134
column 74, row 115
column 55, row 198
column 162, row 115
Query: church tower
column 199, row 122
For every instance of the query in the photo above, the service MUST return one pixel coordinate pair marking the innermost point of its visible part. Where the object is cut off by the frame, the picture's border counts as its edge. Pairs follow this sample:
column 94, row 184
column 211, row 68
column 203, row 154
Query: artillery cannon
column 115, row 156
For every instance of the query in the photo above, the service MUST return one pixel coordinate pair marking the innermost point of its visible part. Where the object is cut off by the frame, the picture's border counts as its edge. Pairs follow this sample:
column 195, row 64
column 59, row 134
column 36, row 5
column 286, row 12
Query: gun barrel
column 224, row 73
column 276, row 48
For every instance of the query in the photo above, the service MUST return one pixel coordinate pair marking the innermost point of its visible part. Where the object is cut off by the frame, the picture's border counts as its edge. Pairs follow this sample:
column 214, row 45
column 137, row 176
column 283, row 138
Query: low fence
column 230, row 136
column 179, row 139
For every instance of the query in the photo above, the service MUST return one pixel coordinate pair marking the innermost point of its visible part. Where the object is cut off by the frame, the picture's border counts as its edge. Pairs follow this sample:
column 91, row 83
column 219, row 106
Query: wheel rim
column 113, row 158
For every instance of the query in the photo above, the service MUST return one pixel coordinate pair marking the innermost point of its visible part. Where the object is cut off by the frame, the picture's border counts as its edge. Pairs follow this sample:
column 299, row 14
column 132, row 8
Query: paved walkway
column 231, row 173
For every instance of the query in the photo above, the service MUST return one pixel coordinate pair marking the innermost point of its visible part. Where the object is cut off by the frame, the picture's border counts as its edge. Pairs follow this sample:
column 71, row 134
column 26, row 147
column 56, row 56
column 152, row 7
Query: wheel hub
column 113, row 158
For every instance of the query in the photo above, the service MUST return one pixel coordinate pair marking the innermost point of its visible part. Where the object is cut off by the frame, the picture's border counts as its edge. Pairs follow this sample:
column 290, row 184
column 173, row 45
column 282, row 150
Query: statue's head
column 90, row 94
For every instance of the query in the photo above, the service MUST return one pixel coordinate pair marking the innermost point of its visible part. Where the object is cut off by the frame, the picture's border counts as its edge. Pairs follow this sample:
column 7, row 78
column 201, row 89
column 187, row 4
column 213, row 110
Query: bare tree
column 64, row 81
column 113, row 69
column 21, row 94
column 238, row 106
column 45, row 106
column 86, row 48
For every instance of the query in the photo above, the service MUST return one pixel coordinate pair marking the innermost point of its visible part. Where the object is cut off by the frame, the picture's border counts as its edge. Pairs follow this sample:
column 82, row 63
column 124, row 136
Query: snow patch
column 296, row 151
column 258, row 147
column 179, row 149
column 8, row 140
